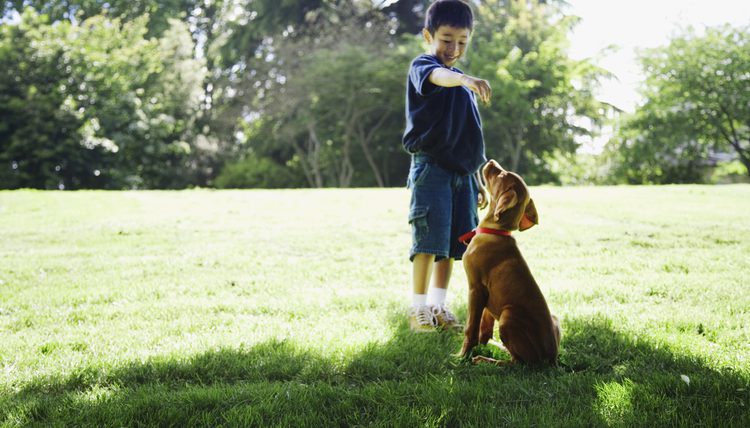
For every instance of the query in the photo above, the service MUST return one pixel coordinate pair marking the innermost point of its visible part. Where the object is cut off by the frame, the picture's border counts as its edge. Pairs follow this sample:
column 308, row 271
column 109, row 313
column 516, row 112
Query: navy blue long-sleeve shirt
column 442, row 122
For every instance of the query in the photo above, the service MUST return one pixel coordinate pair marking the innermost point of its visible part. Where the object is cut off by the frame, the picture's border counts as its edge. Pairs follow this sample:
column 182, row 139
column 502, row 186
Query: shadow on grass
column 605, row 378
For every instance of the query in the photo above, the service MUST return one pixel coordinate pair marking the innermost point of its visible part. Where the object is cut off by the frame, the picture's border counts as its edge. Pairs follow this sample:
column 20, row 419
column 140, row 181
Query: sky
column 634, row 24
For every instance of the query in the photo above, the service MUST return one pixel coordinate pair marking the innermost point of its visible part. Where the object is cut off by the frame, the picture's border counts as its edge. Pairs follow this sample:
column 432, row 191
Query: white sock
column 418, row 300
column 436, row 296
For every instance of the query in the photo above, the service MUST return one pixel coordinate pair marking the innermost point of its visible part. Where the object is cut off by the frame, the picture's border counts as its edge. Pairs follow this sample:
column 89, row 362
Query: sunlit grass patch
column 288, row 308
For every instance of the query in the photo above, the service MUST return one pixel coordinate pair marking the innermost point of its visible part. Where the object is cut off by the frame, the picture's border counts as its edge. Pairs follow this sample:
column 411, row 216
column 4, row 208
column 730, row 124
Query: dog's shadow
column 604, row 377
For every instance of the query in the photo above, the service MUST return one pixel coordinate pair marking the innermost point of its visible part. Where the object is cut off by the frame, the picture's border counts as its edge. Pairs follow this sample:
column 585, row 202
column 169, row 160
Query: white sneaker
column 422, row 320
column 445, row 319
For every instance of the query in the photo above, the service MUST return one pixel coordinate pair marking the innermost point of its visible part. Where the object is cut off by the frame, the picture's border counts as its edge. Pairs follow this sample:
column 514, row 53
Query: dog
column 501, row 286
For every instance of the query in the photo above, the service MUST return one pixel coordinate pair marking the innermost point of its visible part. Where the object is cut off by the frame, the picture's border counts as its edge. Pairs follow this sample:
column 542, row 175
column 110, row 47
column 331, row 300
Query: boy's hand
column 480, row 87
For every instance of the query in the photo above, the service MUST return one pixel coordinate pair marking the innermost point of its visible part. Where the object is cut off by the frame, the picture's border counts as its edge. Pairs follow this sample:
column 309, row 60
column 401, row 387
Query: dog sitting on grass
column 501, row 286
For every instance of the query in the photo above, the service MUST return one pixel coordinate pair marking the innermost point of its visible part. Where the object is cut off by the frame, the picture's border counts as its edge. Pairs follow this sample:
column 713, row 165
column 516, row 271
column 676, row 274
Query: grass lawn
column 287, row 308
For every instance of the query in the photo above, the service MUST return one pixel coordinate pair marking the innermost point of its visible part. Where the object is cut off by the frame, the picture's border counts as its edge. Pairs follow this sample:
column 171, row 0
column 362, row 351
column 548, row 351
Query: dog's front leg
column 486, row 327
column 477, row 302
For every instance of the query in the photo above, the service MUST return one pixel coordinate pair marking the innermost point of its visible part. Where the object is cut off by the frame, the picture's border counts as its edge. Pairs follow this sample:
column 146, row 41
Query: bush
column 258, row 172
column 729, row 172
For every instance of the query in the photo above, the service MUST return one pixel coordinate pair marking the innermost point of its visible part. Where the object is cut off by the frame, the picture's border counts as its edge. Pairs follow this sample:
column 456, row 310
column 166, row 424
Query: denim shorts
column 443, row 207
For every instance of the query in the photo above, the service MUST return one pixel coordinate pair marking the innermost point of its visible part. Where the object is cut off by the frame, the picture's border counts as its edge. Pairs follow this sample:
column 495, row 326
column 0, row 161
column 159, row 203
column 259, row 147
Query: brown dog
column 501, row 286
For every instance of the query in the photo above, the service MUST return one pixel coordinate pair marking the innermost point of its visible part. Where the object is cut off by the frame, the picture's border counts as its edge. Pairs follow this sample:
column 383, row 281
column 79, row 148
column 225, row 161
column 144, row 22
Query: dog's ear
column 530, row 217
column 505, row 202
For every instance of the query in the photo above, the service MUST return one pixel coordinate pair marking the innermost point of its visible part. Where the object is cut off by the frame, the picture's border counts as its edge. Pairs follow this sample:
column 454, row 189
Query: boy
column 444, row 135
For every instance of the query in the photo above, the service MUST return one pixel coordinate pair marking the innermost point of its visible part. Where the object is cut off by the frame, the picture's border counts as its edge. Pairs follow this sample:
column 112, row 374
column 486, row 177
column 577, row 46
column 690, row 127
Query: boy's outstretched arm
column 446, row 78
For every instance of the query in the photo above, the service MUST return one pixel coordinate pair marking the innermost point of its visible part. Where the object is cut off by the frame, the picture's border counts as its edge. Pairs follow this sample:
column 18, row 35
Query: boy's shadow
column 605, row 377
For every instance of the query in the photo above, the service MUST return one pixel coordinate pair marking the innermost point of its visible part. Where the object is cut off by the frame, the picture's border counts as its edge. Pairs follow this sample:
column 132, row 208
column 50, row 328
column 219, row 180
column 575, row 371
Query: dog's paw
column 465, row 353
column 482, row 359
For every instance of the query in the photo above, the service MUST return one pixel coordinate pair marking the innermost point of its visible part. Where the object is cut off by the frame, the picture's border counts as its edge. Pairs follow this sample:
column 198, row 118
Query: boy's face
column 448, row 44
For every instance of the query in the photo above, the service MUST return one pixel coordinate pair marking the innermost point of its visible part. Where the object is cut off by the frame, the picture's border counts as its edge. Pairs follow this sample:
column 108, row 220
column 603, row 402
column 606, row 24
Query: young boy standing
column 444, row 135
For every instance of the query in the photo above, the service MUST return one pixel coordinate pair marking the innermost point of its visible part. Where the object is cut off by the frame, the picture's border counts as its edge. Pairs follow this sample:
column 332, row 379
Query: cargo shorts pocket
column 418, row 221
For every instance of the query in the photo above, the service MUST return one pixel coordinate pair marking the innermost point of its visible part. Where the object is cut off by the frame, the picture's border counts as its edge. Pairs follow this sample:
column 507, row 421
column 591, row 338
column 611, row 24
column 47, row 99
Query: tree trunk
column 734, row 138
column 516, row 147
column 310, row 158
column 744, row 156
column 305, row 168
column 346, row 170
column 364, row 141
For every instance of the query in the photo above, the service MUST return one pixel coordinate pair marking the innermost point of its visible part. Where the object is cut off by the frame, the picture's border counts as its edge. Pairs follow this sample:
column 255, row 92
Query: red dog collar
column 466, row 237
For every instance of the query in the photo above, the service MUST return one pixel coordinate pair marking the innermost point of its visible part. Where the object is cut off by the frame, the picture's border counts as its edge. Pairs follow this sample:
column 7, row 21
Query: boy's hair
column 453, row 13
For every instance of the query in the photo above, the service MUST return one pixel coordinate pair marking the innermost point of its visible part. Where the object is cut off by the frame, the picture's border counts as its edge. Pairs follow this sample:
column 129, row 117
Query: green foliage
column 408, row 13
column 160, row 11
column 152, row 94
column 730, row 172
column 248, row 26
column 341, row 113
column 697, row 103
column 539, row 94
column 101, row 105
column 257, row 172
column 635, row 158
column 572, row 169
column 336, row 108
column 42, row 129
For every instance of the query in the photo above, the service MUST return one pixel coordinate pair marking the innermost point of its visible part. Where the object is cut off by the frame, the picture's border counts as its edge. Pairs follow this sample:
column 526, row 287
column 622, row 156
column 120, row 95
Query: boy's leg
column 436, row 297
column 429, row 216
column 422, row 270
column 442, row 275
column 440, row 279
column 421, row 318
column 464, row 218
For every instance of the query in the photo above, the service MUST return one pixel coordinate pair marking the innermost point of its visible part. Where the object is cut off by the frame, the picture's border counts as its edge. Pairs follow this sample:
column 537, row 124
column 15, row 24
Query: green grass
column 279, row 308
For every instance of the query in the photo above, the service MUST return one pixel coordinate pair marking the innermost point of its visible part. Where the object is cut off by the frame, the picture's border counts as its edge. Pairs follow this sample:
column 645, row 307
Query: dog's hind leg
column 556, row 328
column 521, row 345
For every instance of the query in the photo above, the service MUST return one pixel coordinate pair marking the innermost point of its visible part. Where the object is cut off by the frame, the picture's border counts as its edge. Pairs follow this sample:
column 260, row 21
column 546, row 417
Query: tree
column 408, row 13
column 539, row 94
column 159, row 11
column 332, row 104
column 40, row 131
column 519, row 46
column 162, row 94
column 96, row 104
column 697, row 93
column 351, row 108
column 229, row 37
column 635, row 157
